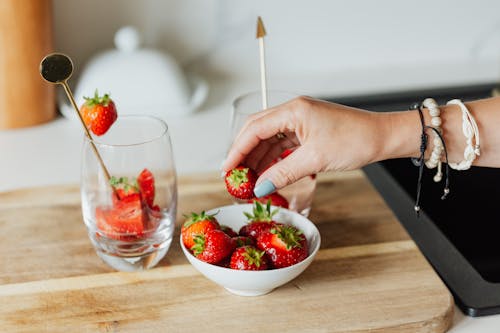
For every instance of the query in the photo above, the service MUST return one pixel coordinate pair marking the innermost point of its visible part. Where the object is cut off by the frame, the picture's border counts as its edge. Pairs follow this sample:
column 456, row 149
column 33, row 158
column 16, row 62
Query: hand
column 325, row 137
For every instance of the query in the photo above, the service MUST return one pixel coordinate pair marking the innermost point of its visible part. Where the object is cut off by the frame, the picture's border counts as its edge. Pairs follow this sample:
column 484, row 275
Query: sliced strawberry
column 248, row 258
column 126, row 218
column 240, row 182
column 146, row 183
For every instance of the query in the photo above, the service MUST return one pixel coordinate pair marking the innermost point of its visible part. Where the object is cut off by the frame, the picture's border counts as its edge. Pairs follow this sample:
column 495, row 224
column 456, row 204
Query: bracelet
column 437, row 150
column 420, row 161
column 471, row 133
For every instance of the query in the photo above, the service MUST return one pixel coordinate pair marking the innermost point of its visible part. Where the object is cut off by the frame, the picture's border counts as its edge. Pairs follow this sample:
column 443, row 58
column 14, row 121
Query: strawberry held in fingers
column 213, row 246
column 197, row 224
column 285, row 245
column 240, row 182
column 98, row 113
column 249, row 258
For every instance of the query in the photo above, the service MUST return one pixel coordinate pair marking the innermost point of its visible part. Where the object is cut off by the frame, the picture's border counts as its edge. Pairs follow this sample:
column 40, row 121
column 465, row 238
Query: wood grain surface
column 367, row 277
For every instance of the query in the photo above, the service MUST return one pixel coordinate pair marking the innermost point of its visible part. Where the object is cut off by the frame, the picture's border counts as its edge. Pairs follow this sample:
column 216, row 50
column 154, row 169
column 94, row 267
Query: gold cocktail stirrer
column 261, row 32
column 57, row 68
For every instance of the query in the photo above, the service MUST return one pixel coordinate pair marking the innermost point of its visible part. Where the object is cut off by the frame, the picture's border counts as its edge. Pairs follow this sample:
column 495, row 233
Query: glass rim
column 162, row 123
column 243, row 96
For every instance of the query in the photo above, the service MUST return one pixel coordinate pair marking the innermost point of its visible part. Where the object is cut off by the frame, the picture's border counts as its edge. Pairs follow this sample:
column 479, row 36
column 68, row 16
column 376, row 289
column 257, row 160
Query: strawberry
column 285, row 153
column 275, row 198
column 285, row 245
column 213, row 246
column 146, row 184
column 242, row 241
column 248, row 258
column 197, row 224
column 240, row 182
column 126, row 217
column 123, row 188
column 98, row 113
column 260, row 221
column 228, row 230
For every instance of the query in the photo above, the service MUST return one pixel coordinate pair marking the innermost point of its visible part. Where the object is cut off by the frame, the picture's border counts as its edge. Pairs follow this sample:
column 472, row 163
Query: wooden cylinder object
column 25, row 38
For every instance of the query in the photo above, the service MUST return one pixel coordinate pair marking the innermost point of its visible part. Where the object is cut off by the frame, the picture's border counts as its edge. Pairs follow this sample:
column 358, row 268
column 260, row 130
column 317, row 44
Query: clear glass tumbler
column 300, row 194
column 130, row 213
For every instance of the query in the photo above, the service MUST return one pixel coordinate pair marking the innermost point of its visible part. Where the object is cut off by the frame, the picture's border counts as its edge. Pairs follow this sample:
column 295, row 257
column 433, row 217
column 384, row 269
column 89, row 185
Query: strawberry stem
column 238, row 177
column 97, row 100
column 290, row 235
column 197, row 218
column 199, row 245
column 261, row 213
column 253, row 256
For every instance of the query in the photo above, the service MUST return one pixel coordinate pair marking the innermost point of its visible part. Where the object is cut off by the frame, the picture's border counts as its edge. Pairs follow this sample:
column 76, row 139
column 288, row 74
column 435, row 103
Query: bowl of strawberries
column 249, row 249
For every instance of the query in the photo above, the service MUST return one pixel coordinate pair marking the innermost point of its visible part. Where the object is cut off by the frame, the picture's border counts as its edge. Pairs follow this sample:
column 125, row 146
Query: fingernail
column 222, row 174
column 264, row 188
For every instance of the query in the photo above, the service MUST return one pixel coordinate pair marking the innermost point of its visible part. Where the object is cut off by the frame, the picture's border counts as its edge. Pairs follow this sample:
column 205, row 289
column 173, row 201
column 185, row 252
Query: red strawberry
column 240, row 182
column 260, row 221
column 228, row 230
column 248, row 258
column 275, row 198
column 286, row 152
column 285, row 245
column 123, row 188
column 197, row 224
column 126, row 217
column 98, row 113
column 146, row 183
column 213, row 246
column 242, row 241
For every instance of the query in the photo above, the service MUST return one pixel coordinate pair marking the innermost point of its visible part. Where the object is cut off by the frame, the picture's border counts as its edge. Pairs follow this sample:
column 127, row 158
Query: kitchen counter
column 49, row 154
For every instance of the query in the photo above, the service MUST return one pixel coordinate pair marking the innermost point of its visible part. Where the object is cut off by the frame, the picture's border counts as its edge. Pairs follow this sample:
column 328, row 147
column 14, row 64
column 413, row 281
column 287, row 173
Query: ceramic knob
column 127, row 39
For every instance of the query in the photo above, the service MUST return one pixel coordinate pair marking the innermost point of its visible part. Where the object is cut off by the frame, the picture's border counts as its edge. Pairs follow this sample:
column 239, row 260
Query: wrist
column 401, row 134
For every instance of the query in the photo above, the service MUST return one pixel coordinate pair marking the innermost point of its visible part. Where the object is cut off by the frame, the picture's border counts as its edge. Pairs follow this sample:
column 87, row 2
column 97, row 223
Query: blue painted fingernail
column 264, row 188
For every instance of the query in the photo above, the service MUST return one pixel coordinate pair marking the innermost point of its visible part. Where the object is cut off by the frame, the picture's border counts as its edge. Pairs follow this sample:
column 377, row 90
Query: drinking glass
column 131, row 222
column 300, row 194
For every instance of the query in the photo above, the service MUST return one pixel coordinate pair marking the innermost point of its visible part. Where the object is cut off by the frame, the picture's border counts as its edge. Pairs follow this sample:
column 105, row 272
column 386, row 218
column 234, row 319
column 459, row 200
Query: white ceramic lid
column 140, row 81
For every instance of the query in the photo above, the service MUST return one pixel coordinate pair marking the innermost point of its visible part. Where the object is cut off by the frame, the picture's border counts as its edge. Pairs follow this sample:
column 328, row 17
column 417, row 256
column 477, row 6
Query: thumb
column 295, row 166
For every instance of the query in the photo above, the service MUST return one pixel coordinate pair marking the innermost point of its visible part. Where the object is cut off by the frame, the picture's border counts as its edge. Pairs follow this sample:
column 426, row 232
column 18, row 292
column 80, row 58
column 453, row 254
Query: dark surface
column 460, row 236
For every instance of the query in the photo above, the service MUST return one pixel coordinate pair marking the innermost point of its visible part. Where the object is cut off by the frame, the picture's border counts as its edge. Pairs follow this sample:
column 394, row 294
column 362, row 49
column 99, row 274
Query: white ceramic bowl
column 255, row 283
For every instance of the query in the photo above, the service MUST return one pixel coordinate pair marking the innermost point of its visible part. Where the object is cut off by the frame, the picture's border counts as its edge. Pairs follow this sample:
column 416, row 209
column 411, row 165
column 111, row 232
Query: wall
column 388, row 40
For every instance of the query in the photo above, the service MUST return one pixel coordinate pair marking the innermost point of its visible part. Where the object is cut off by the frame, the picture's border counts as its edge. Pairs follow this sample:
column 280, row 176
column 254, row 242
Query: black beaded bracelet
column 419, row 162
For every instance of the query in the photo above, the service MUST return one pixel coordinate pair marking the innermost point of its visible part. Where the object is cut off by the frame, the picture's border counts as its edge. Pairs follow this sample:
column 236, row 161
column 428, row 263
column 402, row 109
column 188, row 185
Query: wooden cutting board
column 367, row 277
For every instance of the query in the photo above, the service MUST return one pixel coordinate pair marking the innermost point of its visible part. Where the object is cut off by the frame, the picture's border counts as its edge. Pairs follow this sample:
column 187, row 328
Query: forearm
column 402, row 132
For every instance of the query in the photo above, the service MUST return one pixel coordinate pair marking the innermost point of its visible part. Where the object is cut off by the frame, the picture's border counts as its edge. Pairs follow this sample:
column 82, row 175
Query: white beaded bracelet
column 471, row 133
column 437, row 150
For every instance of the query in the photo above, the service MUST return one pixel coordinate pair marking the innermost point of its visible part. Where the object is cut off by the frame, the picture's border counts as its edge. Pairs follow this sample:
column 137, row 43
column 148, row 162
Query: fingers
column 257, row 129
column 302, row 162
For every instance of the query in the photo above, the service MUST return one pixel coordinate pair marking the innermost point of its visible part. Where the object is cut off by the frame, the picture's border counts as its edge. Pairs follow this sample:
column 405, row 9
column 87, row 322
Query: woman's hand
column 325, row 137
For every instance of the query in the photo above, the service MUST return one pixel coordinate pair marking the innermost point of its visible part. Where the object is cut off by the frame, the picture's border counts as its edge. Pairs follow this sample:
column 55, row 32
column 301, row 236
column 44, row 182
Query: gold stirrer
column 261, row 32
column 57, row 68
